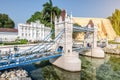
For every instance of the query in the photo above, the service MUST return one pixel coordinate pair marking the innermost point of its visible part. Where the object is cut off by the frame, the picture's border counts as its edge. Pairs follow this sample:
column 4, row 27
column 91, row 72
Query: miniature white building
column 8, row 34
column 33, row 31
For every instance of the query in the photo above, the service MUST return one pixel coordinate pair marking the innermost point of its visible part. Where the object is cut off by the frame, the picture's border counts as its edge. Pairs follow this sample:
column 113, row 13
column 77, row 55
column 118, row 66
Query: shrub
column 23, row 41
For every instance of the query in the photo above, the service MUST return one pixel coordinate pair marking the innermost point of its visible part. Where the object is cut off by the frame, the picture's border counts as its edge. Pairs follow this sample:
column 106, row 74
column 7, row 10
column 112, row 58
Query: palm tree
column 50, row 11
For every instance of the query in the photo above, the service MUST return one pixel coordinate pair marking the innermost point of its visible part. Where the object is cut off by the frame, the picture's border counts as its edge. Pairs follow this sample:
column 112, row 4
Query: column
column 95, row 37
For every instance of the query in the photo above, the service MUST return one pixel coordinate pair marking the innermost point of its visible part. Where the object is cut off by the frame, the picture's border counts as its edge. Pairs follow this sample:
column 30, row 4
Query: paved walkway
column 7, row 48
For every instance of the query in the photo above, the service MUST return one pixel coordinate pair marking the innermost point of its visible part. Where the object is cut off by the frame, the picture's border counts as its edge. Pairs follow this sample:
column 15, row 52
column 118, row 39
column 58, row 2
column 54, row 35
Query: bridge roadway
column 83, row 29
column 17, row 60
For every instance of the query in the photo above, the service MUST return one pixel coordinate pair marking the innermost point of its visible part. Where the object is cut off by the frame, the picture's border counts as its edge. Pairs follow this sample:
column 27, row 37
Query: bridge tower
column 91, row 39
column 69, row 60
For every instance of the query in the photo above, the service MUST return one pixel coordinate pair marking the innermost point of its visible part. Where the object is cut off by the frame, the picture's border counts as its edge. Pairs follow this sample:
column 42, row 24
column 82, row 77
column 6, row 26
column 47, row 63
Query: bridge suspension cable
column 37, row 45
column 47, row 46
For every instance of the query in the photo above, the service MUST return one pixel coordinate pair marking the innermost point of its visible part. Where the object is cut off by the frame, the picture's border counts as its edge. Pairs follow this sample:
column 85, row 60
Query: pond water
column 92, row 69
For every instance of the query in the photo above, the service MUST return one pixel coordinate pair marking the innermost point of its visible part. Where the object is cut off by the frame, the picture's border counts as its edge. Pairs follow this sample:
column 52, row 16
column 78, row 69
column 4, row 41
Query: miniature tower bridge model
column 64, row 57
column 69, row 60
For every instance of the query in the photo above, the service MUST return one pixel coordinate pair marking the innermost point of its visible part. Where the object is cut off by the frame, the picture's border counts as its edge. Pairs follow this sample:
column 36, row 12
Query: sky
column 21, row 10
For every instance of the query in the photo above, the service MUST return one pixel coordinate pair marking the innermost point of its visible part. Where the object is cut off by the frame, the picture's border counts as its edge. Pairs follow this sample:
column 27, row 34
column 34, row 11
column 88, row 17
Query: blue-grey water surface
column 92, row 69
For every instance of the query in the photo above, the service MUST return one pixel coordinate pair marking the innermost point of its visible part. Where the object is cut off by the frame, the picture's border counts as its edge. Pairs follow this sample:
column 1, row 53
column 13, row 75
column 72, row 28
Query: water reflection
column 101, row 69
column 90, row 66
column 65, row 75
column 50, row 72
column 95, row 62
column 92, row 69
column 36, row 74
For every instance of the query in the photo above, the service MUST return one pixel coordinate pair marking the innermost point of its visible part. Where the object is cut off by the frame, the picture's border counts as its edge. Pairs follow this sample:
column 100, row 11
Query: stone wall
column 105, row 29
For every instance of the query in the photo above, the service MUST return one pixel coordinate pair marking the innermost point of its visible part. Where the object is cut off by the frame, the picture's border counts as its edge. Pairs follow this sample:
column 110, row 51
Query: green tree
column 76, row 25
column 50, row 11
column 47, row 15
column 76, row 33
column 36, row 16
column 6, row 21
column 115, row 20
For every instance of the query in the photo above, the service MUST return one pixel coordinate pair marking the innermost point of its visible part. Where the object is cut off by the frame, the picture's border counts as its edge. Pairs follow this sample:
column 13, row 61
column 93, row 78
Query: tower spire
column 71, row 15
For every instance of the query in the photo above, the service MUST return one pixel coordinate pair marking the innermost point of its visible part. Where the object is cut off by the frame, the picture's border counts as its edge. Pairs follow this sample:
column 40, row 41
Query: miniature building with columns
column 33, row 31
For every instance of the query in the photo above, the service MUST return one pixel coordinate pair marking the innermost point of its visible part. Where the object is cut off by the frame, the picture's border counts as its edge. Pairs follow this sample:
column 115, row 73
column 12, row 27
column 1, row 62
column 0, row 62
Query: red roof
column 8, row 30
column 63, row 13
column 90, row 23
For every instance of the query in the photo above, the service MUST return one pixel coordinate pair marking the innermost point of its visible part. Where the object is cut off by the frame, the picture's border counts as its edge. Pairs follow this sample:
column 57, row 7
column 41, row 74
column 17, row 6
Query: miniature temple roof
column 63, row 14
